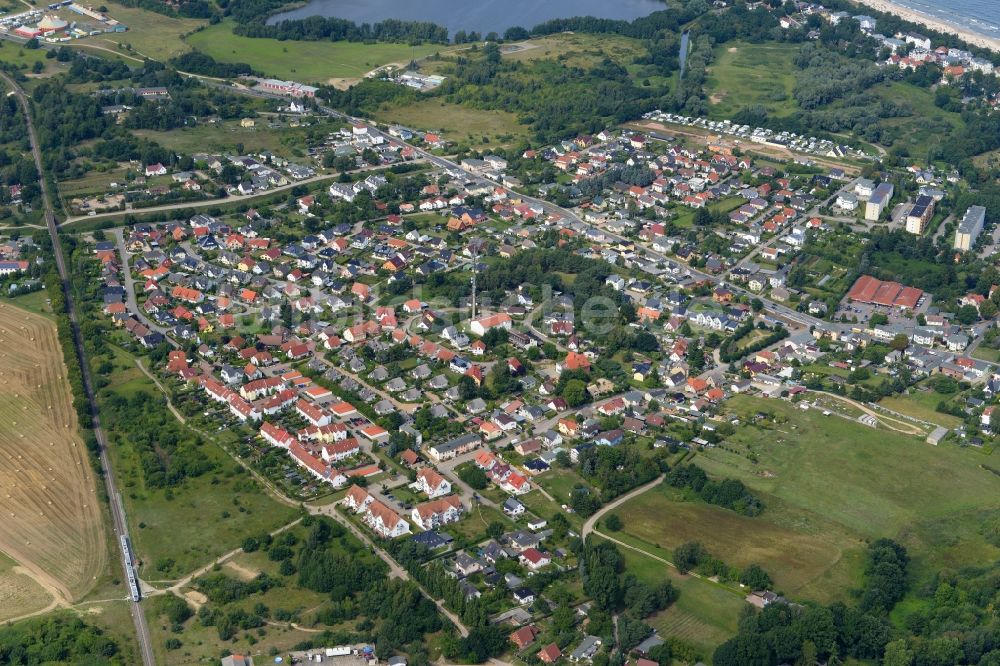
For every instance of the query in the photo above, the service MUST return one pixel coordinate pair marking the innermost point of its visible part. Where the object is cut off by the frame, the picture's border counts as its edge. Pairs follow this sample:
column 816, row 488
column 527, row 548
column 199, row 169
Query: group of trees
column 324, row 28
column 616, row 469
column 554, row 99
column 196, row 62
column 61, row 638
column 615, row 591
column 484, row 640
column 728, row 493
column 693, row 556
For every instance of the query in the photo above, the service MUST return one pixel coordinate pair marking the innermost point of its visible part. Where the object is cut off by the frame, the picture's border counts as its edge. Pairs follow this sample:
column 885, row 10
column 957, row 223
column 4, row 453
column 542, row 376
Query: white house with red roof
column 429, row 481
column 435, row 513
column 534, row 559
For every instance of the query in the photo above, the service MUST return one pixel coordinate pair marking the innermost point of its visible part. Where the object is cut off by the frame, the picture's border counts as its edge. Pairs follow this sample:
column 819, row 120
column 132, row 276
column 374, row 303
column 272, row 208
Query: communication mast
column 474, row 246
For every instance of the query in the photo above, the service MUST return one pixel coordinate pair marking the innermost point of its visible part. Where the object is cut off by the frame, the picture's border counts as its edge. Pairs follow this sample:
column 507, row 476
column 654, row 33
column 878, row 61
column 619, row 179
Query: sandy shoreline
column 933, row 22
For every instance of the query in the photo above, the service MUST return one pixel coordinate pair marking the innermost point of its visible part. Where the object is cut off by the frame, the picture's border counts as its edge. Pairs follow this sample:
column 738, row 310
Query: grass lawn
column 815, row 472
column 456, row 122
column 23, row 58
column 984, row 353
column 560, row 483
column 149, row 33
column 473, row 526
column 36, row 301
column 922, row 405
column 747, row 74
column 306, row 62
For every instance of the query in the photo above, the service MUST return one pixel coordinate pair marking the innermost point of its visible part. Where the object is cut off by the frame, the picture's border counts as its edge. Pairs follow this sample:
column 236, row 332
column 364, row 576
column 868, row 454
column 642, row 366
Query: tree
column 967, row 315
column 897, row 654
column 755, row 578
column 900, row 342
column 613, row 522
column 474, row 476
column 689, row 555
column 575, row 393
column 495, row 529
column 988, row 309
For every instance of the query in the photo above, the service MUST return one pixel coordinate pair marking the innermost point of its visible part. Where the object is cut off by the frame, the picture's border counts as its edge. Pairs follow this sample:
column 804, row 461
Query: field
column 94, row 182
column 920, row 404
column 798, row 550
column 306, row 62
column 578, row 50
column 704, row 615
column 747, row 74
column 168, row 525
column 455, row 122
column 828, row 475
column 19, row 593
column 928, row 124
column 283, row 141
column 52, row 523
column 150, row 34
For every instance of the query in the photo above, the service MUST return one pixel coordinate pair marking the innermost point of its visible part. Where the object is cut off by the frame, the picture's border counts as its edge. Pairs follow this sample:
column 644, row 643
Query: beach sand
column 932, row 22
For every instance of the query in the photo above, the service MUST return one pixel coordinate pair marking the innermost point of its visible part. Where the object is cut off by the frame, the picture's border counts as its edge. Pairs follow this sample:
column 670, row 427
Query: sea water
column 981, row 16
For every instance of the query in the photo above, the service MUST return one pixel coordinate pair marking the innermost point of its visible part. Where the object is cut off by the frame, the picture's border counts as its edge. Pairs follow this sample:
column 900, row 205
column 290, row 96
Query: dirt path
column 887, row 421
column 170, row 405
column 588, row 526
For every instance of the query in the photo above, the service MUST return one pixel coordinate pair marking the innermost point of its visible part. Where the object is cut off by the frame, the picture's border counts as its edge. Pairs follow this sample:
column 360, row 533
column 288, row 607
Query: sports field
column 306, row 62
column 828, row 485
column 52, row 522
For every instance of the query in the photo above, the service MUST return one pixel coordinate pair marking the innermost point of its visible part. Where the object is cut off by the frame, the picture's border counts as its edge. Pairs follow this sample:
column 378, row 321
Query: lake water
column 483, row 16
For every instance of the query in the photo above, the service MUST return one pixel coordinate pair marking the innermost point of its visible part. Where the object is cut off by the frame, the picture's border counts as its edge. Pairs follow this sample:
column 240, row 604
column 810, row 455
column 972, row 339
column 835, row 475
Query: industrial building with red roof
column 868, row 289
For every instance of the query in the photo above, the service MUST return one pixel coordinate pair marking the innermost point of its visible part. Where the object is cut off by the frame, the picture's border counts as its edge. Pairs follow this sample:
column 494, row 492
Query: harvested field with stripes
column 51, row 522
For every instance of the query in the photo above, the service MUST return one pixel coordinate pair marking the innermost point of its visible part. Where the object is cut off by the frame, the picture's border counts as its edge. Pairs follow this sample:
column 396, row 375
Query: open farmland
column 798, row 550
column 829, row 484
column 52, row 516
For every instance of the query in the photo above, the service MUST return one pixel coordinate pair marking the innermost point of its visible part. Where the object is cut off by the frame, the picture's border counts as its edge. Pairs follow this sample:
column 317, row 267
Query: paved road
column 205, row 203
column 131, row 300
column 114, row 498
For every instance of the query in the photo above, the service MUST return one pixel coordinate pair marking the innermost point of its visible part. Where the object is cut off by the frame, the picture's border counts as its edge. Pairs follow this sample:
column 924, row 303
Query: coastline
column 932, row 22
